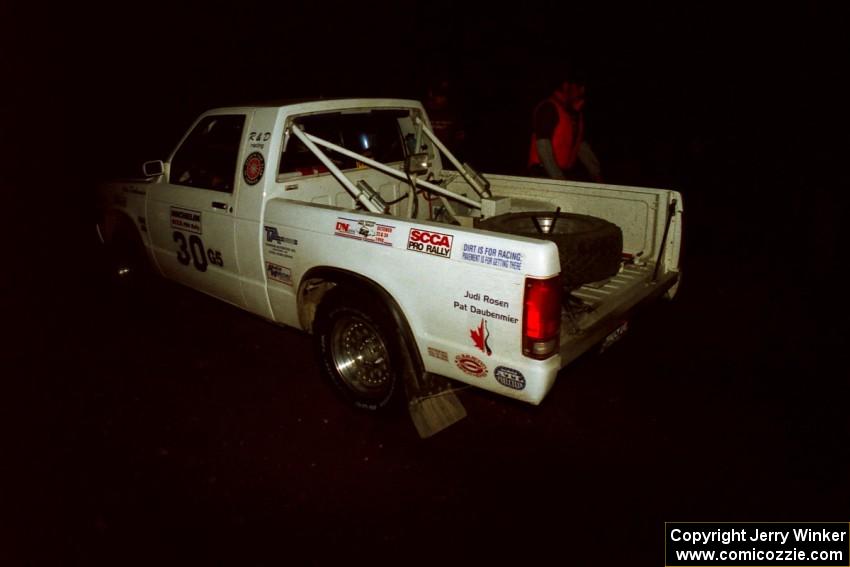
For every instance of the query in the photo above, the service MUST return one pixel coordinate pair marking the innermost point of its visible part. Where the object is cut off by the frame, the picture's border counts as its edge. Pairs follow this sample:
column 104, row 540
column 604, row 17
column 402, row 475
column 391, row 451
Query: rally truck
column 350, row 220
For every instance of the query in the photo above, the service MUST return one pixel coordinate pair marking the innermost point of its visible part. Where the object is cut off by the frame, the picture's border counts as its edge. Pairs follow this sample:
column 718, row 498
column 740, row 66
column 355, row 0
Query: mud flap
column 432, row 403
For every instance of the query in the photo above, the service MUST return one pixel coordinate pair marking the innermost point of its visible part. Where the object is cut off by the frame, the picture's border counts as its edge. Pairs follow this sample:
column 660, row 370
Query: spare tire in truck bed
column 590, row 248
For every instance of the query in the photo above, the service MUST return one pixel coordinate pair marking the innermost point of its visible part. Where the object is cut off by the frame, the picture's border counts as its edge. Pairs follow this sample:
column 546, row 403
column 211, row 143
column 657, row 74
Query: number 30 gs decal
column 195, row 252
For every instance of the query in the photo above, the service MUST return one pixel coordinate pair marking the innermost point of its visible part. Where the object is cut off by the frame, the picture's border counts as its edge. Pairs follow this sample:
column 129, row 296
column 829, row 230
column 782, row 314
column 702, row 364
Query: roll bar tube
column 360, row 196
column 314, row 141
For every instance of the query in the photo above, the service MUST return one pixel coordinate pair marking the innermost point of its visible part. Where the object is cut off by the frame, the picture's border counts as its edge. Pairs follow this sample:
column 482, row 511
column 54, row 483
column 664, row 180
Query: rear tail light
column 541, row 317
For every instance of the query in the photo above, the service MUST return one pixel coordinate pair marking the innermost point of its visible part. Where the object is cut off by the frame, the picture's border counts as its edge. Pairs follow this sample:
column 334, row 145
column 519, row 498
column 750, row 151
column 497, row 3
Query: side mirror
column 153, row 168
column 414, row 164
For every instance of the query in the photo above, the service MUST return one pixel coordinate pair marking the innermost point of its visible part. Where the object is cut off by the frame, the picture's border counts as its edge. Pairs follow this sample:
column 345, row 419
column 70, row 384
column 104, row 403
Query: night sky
column 731, row 106
column 759, row 83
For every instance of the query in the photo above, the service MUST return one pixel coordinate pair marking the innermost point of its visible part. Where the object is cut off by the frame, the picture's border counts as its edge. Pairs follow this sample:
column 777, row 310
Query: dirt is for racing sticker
column 254, row 167
column 471, row 365
column 490, row 256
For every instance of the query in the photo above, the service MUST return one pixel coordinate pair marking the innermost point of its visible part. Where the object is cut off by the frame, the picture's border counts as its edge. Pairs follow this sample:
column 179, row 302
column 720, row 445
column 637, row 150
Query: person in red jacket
column 558, row 148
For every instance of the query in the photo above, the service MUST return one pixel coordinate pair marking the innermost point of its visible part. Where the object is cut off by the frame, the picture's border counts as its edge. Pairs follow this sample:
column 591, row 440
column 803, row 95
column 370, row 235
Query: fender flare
column 113, row 220
column 338, row 276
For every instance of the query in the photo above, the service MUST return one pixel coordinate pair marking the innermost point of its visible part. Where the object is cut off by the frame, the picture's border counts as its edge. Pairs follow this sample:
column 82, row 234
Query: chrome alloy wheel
column 360, row 356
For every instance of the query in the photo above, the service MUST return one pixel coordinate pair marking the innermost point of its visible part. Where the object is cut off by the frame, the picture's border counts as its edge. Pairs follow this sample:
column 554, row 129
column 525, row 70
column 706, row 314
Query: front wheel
column 358, row 348
column 126, row 264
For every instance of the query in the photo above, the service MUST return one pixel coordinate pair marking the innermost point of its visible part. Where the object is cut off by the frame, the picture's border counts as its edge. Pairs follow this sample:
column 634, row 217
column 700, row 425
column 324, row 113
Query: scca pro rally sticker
column 471, row 365
column 429, row 242
column 255, row 165
column 509, row 377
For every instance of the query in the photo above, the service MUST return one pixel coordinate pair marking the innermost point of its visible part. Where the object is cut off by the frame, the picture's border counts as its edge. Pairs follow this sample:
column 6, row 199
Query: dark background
column 181, row 431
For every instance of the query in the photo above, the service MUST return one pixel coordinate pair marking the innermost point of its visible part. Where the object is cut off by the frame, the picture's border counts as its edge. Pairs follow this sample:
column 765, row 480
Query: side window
column 207, row 158
column 373, row 135
column 298, row 159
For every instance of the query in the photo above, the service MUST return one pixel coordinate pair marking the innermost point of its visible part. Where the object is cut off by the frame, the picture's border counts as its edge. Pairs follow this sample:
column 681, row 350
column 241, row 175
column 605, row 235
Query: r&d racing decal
column 471, row 365
column 280, row 274
column 497, row 257
column 279, row 245
column 480, row 336
column 186, row 219
column 367, row 230
column 430, row 242
column 257, row 140
column 254, row 167
column 509, row 377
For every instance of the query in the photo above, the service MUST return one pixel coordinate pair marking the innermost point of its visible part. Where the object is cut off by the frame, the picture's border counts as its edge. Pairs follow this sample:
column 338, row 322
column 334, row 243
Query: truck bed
column 605, row 305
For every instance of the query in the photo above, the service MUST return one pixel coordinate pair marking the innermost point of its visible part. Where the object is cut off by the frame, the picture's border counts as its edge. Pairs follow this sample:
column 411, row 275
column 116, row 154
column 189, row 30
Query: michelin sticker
column 509, row 377
column 429, row 242
column 186, row 219
column 496, row 257
column 367, row 230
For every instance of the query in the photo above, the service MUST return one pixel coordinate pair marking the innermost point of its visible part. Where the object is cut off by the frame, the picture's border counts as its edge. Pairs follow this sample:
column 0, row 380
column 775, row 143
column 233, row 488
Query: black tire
column 590, row 248
column 359, row 348
column 126, row 261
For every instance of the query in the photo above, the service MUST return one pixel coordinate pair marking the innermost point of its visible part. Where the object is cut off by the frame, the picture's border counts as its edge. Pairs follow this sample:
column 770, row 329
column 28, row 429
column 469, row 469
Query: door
column 190, row 215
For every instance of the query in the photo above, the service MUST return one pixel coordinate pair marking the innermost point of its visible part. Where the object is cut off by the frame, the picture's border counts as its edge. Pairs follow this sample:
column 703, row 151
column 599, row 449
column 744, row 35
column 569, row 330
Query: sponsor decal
column 278, row 273
column 193, row 250
column 509, row 377
column 259, row 136
column 186, row 219
column 489, row 256
column 480, row 336
column 367, row 230
column 272, row 235
column 256, row 140
column 430, row 242
column 471, row 365
column 439, row 354
column 466, row 304
column 255, row 165
column 279, row 245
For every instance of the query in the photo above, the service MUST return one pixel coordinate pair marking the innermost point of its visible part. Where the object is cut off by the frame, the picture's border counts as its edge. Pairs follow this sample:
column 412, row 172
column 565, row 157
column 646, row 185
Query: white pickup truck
column 340, row 218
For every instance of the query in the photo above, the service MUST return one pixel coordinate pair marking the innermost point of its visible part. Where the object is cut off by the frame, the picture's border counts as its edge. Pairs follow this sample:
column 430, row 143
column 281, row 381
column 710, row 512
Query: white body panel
column 448, row 281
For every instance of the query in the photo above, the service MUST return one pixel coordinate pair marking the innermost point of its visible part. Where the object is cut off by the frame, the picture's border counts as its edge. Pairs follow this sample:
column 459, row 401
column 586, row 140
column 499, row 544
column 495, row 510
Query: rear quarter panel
column 461, row 290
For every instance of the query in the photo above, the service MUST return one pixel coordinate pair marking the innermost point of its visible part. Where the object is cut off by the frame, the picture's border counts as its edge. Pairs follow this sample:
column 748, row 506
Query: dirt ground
column 177, row 430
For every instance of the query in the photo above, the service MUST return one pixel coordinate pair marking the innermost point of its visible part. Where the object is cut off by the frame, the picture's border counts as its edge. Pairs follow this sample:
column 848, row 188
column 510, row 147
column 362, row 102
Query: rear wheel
column 359, row 348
